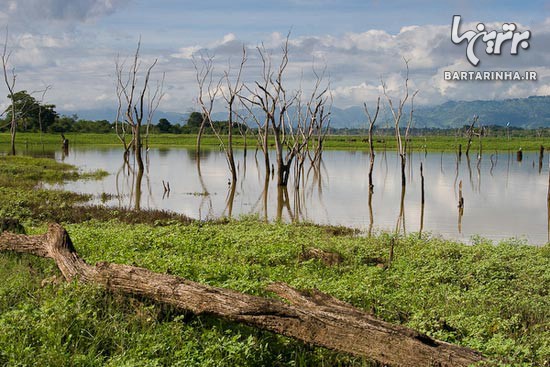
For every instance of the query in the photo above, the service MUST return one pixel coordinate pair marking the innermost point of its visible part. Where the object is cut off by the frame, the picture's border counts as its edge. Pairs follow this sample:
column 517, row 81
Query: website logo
column 493, row 40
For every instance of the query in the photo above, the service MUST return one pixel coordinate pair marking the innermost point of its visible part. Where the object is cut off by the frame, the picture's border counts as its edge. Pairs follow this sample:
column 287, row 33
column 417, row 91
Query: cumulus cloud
column 227, row 46
column 71, row 10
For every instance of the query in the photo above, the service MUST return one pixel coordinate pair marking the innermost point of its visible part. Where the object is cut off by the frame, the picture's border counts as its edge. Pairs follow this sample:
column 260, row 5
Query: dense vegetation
column 32, row 116
column 494, row 298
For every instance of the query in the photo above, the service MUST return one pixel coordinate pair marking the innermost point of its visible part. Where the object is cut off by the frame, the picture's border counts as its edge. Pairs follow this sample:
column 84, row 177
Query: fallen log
column 312, row 317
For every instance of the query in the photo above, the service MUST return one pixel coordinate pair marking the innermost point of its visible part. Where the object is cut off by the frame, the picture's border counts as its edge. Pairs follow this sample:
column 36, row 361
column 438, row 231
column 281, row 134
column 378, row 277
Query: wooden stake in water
column 421, row 201
column 541, row 157
column 460, row 206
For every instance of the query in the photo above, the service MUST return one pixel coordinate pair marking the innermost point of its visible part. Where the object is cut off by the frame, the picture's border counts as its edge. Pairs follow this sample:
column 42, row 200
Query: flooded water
column 503, row 198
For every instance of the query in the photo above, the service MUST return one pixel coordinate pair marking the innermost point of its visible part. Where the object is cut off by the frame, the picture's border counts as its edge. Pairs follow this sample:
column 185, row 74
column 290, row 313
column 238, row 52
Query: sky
column 72, row 46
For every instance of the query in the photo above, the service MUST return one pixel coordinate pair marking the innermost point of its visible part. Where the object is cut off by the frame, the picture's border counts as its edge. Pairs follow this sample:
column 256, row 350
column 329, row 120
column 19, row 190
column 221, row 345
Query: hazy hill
column 521, row 112
column 110, row 115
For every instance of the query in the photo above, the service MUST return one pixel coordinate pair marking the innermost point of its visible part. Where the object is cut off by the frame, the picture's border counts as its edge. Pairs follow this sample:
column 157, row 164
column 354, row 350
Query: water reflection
column 501, row 200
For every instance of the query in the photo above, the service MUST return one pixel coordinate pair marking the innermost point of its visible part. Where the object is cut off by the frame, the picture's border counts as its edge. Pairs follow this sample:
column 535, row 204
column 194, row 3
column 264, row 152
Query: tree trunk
column 265, row 146
column 403, row 165
column 12, row 148
column 230, row 155
column 199, row 137
column 279, row 156
column 314, row 318
column 371, row 150
column 13, row 129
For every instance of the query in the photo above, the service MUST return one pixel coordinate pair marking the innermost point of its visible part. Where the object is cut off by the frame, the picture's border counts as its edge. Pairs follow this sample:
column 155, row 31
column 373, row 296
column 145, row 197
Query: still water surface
column 503, row 198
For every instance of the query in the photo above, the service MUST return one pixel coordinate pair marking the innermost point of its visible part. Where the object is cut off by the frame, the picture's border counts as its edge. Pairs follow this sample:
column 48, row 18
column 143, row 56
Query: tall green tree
column 164, row 126
column 195, row 119
column 30, row 114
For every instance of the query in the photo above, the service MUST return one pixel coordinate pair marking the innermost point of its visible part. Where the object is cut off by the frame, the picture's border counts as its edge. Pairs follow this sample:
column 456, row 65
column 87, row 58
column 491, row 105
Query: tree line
column 35, row 116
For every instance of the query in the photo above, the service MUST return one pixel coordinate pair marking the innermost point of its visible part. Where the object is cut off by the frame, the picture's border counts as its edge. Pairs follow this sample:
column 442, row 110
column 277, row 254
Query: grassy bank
column 429, row 143
column 494, row 298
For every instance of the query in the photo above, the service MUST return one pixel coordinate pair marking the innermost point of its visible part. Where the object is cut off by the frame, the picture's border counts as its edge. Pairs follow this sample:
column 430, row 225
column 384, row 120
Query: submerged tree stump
column 326, row 257
column 314, row 318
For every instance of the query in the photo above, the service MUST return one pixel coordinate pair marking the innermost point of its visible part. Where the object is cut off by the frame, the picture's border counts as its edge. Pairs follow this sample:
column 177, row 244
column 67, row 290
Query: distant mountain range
column 528, row 112
column 110, row 115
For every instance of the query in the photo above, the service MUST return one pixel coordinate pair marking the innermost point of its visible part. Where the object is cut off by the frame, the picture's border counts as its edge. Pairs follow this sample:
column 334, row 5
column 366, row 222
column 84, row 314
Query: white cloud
column 228, row 38
column 186, row 52
column 356, row 94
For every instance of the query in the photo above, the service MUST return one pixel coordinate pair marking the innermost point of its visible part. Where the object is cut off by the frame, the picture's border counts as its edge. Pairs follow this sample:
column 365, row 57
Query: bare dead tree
column 136, row 107
column 310, row 124
column 229, row 88
column 480, row 135
column 262, row 130
column 422, row 200
column 319, row 106
column 136, row 104
column 271, row 97
column 153, row 102
column 291, row 133
column 262, row 98
column 470, row 133
column 372, row 121
column 120, row 123
column 322, row 129
column 9, row 79
column 208, row 92
column 44, row 91
column 397, row 114
column 279, row 124
column 460, row 207
column 242, row 127
column 231, row 96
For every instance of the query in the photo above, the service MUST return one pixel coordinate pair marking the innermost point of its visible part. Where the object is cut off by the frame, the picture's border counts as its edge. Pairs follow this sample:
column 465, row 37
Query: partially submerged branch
column 397, row 113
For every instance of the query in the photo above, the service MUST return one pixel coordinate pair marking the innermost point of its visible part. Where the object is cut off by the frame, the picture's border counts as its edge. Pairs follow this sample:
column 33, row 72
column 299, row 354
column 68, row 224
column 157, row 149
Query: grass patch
column 23, row 197
column 494, row 298
column 433, row 143
column 27, row 172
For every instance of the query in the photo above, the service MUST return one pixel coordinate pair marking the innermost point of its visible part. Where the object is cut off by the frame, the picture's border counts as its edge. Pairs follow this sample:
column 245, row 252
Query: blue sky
column 72, row 44
column 206, row 19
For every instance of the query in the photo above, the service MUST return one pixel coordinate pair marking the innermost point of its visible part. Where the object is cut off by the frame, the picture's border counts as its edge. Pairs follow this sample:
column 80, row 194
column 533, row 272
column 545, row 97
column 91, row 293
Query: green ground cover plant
column 491, row 297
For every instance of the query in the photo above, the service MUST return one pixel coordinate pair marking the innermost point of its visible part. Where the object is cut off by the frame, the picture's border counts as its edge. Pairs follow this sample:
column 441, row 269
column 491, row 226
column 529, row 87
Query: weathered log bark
column 315, row 318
